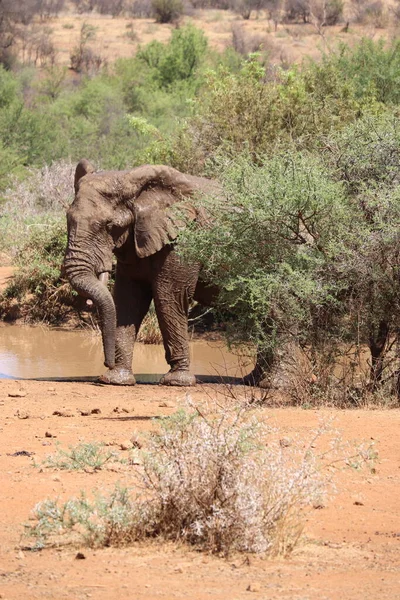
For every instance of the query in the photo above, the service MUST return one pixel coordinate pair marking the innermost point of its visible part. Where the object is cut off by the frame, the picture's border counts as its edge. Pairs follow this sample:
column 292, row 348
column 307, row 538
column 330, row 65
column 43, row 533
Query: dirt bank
column 351, row 548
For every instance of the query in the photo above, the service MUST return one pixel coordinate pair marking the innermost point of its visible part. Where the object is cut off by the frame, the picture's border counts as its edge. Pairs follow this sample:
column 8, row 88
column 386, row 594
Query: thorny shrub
column 35, row 203
column 37, row 284
column 213, row 477
column 34, row 234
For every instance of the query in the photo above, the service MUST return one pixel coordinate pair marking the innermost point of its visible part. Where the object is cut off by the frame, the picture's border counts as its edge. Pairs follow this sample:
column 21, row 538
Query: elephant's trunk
column 87, row 284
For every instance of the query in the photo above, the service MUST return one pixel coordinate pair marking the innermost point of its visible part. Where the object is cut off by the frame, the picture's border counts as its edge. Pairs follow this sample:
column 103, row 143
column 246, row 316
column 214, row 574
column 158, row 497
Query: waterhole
column 41, row 353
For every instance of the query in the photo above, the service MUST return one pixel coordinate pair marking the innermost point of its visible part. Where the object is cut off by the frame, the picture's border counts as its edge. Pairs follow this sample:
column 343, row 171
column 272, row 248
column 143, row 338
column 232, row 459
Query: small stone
column 56, row 478
column 19, row 394
column 80, row 556
column 51, row 389
column 166, row 405
column 253, row 587
column 84, row 412
column 178, row 570
column 285, row 442
column 358, row 503
column 65, row 412
column 22, row 414
column 21, row 453
column 95, row 411
column 21, row 555
column 121, row 409
column 48, row 434
column 126, row 445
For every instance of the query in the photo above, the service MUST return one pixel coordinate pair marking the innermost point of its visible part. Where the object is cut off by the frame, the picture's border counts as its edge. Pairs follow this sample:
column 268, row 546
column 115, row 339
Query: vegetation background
column 307, row 255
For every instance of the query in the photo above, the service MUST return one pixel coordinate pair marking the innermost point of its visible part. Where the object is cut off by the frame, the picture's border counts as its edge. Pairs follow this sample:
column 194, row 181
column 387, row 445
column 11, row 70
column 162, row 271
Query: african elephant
column 130, row 214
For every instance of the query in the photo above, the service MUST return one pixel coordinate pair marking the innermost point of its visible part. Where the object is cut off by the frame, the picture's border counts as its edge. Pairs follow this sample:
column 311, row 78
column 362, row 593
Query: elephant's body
column 133, row 215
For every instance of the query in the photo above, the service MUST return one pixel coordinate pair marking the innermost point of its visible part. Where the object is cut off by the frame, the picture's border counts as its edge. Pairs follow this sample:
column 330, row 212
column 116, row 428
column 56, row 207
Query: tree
column 167, row 11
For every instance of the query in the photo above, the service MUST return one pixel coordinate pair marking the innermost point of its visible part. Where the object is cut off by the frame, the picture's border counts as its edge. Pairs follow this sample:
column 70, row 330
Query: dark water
column 37, row 352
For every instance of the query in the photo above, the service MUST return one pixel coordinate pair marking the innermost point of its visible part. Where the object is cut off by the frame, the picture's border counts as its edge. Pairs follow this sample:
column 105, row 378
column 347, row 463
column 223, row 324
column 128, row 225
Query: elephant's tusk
column 103, row 278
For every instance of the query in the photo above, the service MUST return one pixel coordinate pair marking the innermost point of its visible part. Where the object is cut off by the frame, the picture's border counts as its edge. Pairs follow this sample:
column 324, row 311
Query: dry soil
column 350, row 548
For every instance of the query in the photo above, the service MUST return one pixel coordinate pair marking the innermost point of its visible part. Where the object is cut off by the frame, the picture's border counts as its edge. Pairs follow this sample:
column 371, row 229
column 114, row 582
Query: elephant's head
column 106, row 207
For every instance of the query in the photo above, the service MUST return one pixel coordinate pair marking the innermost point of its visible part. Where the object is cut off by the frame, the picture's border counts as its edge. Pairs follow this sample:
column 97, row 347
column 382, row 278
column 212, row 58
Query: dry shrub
column 334, row 375
column 214, row 477
column 140, row 9
column 167, row 11
column 246, row 42
column 83, row 58
column 110, row 7
column 33, row 232
column 37, row 46
column 374, row 12
column 34, row 202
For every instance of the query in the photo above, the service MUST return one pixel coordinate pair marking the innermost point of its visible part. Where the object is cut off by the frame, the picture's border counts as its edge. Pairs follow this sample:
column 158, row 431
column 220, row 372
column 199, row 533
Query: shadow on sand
column 141, row 379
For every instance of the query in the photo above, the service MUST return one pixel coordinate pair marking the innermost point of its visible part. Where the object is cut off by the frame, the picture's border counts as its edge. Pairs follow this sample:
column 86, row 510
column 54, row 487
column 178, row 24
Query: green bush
column 293, row 109
column 373, row 68
column 367, row 152
column 37, row 284
column 178, row 60
column 270, row 242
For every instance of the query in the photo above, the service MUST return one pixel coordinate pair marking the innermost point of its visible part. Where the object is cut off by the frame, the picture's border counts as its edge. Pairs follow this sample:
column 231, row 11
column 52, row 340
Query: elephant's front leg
column 132, row 302
column 172, row 289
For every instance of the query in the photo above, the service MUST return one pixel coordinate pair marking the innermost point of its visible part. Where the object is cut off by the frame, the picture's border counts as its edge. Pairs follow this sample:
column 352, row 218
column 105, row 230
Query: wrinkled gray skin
column 130, row 214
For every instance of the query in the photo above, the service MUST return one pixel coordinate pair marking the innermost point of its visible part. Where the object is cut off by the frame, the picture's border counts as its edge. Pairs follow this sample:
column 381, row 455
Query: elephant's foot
column 118, row 377
column 257, row 378
column 179, row 377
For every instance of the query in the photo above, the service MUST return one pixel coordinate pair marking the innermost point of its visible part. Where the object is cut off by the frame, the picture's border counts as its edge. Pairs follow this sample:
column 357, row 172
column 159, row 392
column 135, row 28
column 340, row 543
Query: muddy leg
column 171, row 299
column 132, row 301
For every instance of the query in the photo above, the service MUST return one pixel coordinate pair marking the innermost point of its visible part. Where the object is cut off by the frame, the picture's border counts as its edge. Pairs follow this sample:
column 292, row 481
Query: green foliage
column 270, row 241
column 39, row 259
column 293, row 109
column 369, row 262
column 373, row 68
column 91, row 456
column 367, row 152
column 9, row 88
column 179, row 59
column 37, row 283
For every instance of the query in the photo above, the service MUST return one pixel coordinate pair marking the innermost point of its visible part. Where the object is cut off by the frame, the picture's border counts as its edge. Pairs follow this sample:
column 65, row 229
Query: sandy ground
column 350, row 549
column 121, row 36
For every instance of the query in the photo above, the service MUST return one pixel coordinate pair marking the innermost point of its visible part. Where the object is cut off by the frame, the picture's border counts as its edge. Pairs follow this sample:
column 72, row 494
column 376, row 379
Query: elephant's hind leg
column 260, row 376
column 132, row 302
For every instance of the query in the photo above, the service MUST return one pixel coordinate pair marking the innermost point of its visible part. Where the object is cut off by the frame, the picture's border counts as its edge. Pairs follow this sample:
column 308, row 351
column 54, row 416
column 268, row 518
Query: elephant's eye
column 109, row 226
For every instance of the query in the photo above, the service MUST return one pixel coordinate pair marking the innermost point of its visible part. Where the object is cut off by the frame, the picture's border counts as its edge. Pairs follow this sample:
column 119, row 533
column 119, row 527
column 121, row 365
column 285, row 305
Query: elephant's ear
column 160, row 199
column 84, row 167
column 159, row 214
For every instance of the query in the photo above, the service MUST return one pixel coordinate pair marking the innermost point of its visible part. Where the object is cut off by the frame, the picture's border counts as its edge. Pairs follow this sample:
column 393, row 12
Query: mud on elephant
column 131, row 214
